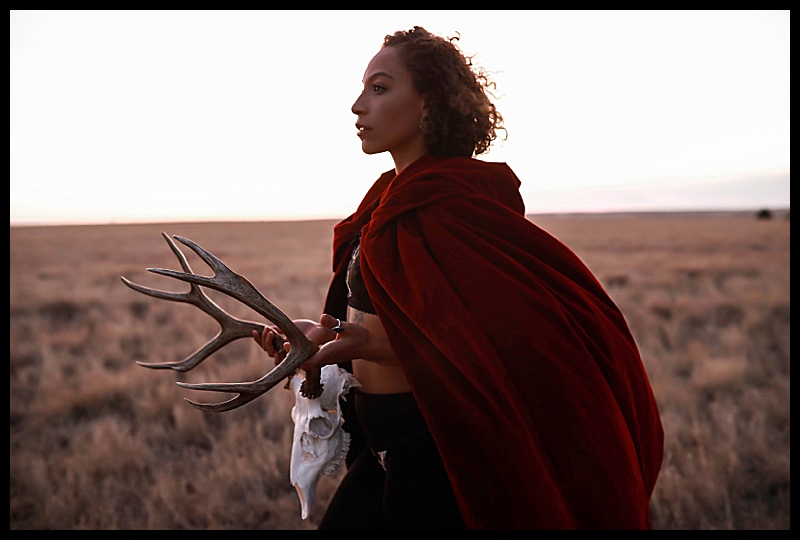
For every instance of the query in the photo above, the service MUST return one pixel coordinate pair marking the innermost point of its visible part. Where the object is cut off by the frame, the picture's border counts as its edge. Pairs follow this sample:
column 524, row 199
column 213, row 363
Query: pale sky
column 131, row 116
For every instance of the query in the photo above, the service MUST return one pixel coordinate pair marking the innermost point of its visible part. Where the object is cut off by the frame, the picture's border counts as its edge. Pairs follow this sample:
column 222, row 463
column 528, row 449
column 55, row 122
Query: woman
column 500, row 385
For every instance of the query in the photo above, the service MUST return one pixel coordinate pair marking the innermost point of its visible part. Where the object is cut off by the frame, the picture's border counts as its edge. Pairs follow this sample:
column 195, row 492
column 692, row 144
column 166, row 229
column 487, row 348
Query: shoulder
column 462, row 169
column 459, row 177
column 434, row 183
column 455, row 174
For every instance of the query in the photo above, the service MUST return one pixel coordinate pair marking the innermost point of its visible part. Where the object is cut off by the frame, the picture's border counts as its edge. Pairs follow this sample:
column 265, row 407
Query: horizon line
column 99, row 222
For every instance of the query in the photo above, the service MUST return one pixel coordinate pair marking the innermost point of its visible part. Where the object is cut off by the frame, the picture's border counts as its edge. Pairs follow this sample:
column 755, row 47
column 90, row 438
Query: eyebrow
column 379, row 74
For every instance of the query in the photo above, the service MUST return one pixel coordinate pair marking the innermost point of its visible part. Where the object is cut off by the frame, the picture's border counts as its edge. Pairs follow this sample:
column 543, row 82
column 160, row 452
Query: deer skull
column 319, row 445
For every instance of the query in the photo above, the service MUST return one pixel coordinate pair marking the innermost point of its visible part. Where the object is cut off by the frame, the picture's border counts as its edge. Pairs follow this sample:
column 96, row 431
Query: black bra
column 357, row 296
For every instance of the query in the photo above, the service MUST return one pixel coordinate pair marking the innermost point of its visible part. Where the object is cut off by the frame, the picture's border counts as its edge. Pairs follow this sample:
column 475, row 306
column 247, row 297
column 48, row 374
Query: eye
column 378, row 88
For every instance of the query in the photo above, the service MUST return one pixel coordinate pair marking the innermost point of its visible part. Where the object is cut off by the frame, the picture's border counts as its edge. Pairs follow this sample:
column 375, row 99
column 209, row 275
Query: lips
column 361, row 129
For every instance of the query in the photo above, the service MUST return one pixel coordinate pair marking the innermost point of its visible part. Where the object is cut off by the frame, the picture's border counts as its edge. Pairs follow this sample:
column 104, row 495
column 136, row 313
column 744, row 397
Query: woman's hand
column 353, row 342
column 346, row 345
column 316, row 333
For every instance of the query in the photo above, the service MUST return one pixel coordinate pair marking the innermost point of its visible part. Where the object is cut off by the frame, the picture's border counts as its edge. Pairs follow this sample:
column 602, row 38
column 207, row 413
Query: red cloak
column 524, row 368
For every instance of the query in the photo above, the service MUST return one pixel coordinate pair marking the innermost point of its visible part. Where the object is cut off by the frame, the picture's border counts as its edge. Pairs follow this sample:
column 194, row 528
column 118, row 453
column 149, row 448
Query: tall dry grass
column 98, row 442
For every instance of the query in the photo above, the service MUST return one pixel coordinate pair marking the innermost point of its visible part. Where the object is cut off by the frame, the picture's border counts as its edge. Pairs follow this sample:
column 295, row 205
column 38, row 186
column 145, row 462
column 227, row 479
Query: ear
column 425, row 109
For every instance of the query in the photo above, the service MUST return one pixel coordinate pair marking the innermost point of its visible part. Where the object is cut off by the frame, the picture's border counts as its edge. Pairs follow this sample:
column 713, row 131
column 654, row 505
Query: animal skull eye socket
column 320, row 426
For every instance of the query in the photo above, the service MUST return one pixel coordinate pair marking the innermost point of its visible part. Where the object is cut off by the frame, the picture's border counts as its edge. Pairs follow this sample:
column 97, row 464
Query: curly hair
column 461, row 120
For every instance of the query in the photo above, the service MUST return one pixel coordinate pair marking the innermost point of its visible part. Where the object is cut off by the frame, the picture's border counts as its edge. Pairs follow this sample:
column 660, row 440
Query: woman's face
column 389, row 109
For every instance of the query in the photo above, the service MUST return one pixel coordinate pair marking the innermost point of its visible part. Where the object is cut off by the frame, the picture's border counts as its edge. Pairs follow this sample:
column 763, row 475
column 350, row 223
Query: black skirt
column 398, row 480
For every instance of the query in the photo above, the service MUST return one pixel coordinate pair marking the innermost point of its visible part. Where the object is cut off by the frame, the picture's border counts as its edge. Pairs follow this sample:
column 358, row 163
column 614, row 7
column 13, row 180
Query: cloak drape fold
column 524, row 368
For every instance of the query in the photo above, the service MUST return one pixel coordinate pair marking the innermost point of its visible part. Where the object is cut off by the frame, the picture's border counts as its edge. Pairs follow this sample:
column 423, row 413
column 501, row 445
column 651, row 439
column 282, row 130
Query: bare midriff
column 384, row 377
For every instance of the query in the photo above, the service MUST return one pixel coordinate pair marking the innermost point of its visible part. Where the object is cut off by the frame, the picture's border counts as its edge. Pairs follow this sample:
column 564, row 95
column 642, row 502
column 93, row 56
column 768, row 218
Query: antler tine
column 231, row 328
column 227, row 281
column 231, row 404
column 236, row 286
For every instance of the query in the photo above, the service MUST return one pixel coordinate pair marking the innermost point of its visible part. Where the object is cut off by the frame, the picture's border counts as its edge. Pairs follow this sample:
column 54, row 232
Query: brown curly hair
column 461, row 121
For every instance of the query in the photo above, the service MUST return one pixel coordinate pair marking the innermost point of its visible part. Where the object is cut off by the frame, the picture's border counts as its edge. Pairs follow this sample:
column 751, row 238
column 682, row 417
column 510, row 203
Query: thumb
column 330, row 322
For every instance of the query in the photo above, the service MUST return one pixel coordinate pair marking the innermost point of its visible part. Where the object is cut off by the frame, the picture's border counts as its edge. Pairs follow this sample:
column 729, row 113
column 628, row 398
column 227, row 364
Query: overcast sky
column 127, row 116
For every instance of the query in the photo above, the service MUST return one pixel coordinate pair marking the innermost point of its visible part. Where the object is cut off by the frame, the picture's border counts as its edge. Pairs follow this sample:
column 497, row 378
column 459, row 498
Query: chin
column 371, row 150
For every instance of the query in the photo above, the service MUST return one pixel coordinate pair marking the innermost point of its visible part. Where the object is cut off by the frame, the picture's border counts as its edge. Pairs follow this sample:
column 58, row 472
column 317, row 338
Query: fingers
column 340, row 345
column 332, row 323
column 264, row 339
column 327, row 330
column 268, row 340
column 259, row 337
column 281, row 349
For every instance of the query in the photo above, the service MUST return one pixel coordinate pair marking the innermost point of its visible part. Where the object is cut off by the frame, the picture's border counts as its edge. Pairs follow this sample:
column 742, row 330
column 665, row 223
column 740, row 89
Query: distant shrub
column 764, row 213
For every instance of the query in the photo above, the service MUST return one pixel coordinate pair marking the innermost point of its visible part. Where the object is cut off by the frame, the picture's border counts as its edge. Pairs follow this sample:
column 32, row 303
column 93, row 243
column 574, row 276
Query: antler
column 235, row 286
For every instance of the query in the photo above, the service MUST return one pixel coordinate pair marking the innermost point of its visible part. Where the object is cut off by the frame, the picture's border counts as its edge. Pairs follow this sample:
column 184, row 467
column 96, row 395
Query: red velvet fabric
column 524, row 368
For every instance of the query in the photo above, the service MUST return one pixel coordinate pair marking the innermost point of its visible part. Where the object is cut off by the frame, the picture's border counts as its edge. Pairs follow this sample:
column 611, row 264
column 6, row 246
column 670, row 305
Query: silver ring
column 338, row 328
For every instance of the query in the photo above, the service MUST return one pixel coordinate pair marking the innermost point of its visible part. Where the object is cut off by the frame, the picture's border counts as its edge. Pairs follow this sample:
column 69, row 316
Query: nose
column 358, row 106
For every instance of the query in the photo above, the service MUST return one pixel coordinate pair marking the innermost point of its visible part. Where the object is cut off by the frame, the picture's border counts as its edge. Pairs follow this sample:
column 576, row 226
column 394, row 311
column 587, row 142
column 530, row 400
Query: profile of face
column 389, row 109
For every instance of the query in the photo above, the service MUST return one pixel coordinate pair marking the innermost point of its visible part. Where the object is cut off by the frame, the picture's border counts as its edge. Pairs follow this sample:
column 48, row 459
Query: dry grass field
column 98, row 442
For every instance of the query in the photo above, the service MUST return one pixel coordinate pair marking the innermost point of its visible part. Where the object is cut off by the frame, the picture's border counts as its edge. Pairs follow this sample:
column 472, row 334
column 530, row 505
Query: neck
column 408, row 156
